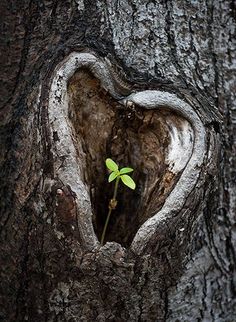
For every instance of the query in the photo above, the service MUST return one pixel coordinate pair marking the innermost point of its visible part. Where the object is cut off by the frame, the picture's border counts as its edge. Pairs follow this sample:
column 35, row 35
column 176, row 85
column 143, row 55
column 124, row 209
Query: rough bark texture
column 156, row 75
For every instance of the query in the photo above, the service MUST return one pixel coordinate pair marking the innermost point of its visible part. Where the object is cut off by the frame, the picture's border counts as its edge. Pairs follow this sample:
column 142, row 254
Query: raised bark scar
column 189, row 177
column 185, row 154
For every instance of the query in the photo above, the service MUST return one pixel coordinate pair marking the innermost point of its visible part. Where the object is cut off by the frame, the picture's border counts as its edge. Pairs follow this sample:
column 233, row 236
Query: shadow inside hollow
column 132, row 137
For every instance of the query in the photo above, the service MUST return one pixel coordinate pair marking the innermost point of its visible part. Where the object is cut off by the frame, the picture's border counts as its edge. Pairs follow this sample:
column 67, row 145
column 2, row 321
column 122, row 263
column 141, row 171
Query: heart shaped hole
column 149, row 141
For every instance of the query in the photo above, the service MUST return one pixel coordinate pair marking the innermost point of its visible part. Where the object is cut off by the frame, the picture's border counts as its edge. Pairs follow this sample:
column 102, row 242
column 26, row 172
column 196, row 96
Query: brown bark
column 180, row 266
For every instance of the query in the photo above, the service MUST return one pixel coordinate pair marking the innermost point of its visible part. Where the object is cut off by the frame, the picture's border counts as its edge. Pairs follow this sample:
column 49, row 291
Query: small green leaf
column 128, row 181
column 111, row 165
column 113, row 175
column 126, row 170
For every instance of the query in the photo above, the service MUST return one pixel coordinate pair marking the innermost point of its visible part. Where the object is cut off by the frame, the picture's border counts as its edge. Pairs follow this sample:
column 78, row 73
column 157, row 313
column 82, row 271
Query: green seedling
column 116, row 174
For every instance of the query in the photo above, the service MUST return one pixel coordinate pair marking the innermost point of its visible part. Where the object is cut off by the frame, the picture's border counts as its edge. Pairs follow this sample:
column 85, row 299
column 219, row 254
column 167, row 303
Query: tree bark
column 152, row 85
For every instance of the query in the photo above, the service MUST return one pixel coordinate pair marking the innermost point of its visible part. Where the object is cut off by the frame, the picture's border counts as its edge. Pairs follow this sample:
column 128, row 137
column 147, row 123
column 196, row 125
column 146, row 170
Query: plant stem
column 116, row 188
column 111, row 207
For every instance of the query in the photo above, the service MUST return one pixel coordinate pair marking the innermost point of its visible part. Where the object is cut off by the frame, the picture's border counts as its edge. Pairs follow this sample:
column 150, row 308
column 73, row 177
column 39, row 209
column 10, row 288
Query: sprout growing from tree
column 116, row 174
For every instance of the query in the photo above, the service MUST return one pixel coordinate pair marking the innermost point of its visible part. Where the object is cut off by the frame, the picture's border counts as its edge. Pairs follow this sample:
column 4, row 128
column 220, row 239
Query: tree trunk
column 151, row 85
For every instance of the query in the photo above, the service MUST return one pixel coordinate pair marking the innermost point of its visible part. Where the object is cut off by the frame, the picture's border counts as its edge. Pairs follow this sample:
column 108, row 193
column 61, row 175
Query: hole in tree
column 136, row 138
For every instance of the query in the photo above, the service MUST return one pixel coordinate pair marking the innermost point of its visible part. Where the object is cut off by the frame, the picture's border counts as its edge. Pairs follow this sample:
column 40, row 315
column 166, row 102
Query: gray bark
column 152, row 85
